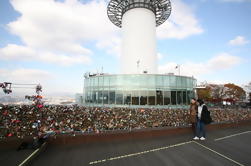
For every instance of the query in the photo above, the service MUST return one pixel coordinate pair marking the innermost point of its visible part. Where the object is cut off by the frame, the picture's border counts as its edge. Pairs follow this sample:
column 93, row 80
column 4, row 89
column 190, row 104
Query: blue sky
column 56, row 42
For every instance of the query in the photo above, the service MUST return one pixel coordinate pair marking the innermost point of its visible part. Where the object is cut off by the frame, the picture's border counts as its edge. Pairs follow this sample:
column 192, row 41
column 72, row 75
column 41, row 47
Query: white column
column 138, row 42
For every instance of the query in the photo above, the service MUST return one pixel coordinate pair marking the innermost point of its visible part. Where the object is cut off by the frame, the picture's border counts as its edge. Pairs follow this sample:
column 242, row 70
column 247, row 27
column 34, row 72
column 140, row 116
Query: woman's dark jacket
column 205, row 115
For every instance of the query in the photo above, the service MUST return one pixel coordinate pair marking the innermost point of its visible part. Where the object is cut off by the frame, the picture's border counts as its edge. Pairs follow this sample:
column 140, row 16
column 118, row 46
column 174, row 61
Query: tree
column 204, row 93
column 234, row 92
column 218, row 93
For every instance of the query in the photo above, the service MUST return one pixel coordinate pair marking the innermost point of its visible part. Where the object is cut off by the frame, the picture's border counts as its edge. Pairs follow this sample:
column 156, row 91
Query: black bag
column 206, row 117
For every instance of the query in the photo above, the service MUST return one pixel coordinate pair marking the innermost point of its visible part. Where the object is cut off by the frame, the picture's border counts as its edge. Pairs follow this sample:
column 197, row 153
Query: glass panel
column 173, row 97
column 100, row 81
column 190, row 95
column 184, row 82
column 159, row 97
column 86, row 82
column 167, row 97
column 151, row 97
column 143, row 97
column 90, row 83
column 131, row 81
column 135, row 98
column 151, row 82
column 127, row 98
column 184, row 98
column 119, row 97
column 95, row 97
column 166, row 81
column 95, row 81
column 112, row 97
column 142, row 81
column 100, row 97
column 105, row 97
column 113, row 81
column 120, row 80
column 179, row 97
column 88, row 97
column 173, row 81
column 106, row 81
column 178, row 80
column 159, row 81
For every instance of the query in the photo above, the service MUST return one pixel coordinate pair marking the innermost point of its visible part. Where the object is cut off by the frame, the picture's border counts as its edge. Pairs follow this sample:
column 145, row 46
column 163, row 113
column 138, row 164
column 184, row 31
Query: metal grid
column 116, row 9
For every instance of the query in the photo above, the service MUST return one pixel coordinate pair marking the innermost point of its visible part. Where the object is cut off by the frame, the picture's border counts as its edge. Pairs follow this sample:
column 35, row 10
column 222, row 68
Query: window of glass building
column 159, row 81
column 127, row 98
column 172, row 81
column 106, row 81
column 141, row 79
column 179, row 97
column 179, row 82
column 95, row 97
column 135, row 98
column 105, row 97
column 184, row 82
column 167, row 97
column 88, row 97
column 101, row 81
column 159, row 95
column 100, row 97
column 119, row 97
column 166, row 81
column 113, row 81
column 173, row 98
column 95, row 83
column 184, row 98
column 143, row 97
column 112, row 97
column 151, row 97
column 190, row 95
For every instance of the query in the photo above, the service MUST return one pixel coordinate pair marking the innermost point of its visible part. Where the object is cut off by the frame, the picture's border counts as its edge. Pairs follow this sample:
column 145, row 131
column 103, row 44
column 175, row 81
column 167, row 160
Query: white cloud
column 13, row 51
column 25, row 75
column 52, row 22
column 60, row 29
column 222, row 61
column 238, row 40
column 181, row 24
column 111, row 45
column 23, row 53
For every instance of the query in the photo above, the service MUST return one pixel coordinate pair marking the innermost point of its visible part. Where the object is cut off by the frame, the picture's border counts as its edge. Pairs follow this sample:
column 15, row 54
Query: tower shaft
column 138, row 41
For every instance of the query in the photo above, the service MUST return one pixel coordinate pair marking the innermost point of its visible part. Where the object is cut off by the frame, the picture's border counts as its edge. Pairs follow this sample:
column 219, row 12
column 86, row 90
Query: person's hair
column 200, row 101
column 193, row 99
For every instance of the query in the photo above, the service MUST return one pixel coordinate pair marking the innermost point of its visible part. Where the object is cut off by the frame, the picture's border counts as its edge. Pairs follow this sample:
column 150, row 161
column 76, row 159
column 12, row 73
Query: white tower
column 138, row 19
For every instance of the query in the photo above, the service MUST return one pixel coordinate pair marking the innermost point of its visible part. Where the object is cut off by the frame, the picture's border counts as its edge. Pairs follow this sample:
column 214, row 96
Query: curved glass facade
column 138, row 89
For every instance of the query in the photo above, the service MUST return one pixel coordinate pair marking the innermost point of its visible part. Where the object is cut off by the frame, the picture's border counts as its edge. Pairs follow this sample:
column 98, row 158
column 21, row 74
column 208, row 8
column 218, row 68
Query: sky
column 54, row 42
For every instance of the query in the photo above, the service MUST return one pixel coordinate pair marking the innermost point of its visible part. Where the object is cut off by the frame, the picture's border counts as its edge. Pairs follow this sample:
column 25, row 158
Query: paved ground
column 223, row 147
column 9, row 157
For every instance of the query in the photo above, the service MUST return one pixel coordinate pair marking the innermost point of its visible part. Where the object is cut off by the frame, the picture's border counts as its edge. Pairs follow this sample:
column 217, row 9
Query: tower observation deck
column 117, row 8
column 138, row 20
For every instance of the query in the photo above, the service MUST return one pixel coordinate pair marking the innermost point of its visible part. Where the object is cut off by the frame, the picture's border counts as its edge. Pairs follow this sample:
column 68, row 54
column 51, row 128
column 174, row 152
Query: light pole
column 178, row 67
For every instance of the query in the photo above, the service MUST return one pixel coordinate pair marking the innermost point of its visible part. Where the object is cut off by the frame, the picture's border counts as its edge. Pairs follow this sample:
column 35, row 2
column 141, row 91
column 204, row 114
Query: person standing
column 192, row 112
column 203, row 118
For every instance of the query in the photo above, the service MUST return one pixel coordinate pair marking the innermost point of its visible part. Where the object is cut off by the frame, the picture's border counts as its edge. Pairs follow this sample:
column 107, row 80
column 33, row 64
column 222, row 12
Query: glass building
column 138, row 89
